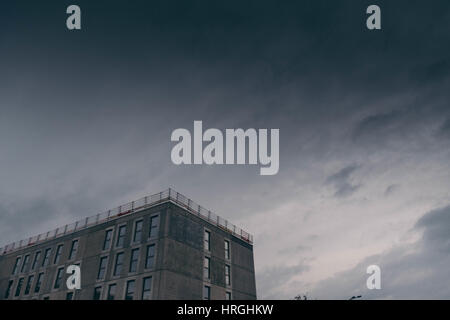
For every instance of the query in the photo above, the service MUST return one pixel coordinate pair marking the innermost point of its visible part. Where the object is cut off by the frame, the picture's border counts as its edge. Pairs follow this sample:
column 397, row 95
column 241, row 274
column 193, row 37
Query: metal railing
column 132, row 207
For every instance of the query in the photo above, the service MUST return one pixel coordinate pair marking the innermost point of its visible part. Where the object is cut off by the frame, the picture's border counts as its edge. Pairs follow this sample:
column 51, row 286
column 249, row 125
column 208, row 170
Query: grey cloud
column 342, row 181
column 391, row 189
column 410, row 271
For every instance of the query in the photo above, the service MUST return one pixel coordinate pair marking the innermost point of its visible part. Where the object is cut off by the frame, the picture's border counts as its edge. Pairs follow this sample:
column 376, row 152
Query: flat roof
column 168, row 195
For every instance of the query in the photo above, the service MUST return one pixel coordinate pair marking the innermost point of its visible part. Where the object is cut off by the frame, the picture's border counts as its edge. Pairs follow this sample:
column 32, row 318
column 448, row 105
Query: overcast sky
column 364, row 118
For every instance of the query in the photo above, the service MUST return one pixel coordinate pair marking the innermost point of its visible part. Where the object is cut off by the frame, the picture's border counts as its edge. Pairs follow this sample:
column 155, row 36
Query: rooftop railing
column 128, row 208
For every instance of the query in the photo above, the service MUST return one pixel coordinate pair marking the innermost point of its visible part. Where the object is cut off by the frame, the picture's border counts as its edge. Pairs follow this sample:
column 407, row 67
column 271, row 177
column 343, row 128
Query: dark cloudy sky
column 364, row 118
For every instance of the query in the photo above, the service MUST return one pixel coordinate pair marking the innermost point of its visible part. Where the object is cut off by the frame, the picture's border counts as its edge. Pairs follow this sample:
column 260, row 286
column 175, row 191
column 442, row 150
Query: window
column 36, row 259
column 146, row 288
column 206, row 268
column 40, row 277
column 97, row 293
column 73, row 249
column 69, row 296
column 26, row 260
column 227, row 275
column 207, row 240
column 154, row 226
column 46, row 259
column 227, row 249
column 129, row 294
column 150, row 260
column 29, row 283
column 134, row 260
column 102, row 268
column 107, row 241
column 206, row 293
column 137, row 231
column 58, row 254
column 58, row 279
column 121, row 236
column 16, row 265
column 119, row 264
column 46, row 298
column 8, row 289
column 111, row 292
column 19, row 287
column 228, row 295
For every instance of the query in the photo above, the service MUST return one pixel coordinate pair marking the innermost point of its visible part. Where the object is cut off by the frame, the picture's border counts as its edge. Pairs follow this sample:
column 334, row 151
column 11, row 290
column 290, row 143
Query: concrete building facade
column 160, row 247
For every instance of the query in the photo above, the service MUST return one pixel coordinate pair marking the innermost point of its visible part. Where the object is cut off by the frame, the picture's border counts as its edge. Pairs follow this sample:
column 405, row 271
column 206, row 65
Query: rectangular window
column 58, row 254
column 206, row 293
column 8, row 289
column 227, row 275
column 46, row 298
column 228, row 295
column 206, row 272
column 147, row 288
column 36, row 259
column 97, row 293
column 111, row 292
column 227, row 249
column 16, row 265
column 39, row 280
column 137, row 231
column 46, row 259
column 102, row 268
column 154, row 226
column 207, row 240
column 29, row 283
column 129, row 294
column 107, row 241
column 73, row 249
column 19, row 287
column 134, row 260
column 26, row 260
column 119, row 264
column 150, row 258
column 121, row 236
column 69, row 296
column 58, row 280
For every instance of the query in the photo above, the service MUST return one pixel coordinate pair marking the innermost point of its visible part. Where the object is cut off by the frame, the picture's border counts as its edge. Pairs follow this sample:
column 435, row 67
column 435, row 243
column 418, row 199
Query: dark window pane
column 58, row 279
column 19, row 287
column 102, row 267
column 16, row 265
column 29, row 283
column 111, row 292
column 8, row 289
column 108, row 238
column 137, row 231
column 58, row 254
column 69, row 296
column 46, row 257
column 73, row 249
column 206, row 272
column 129, row 295
column 119, row 264
column 121, row 236
column 154, row 226
column 36, row 259
column 97, row 293
column 134, row 260
column 26, row 260
column 40, row 277
column 150, row 259
column 206, row 293
column 207, row 240
column 147, row 288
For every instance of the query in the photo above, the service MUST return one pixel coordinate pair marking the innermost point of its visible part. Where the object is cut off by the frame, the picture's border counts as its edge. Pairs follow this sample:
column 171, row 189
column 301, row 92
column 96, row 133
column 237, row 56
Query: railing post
column 145, row 200
column 76, row 226
column 97, row 218
column 86, row 222
column 65, row 229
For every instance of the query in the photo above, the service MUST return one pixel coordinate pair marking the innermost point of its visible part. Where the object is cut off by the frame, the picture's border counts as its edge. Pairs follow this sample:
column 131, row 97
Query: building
column 162, row 246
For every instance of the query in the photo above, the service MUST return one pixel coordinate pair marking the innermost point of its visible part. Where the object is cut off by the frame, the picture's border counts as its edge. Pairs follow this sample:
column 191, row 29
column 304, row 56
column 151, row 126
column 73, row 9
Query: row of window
column 130, row 290
column 133, row 263
column 46, row 258
column 207, row 271
column 207, row 293
column 28, row 286
column 207, row 244
column 137, row 233
column 22, row 266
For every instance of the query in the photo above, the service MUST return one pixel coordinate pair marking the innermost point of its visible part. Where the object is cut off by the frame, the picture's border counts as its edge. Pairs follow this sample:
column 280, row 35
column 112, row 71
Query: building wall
column 178, row 264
